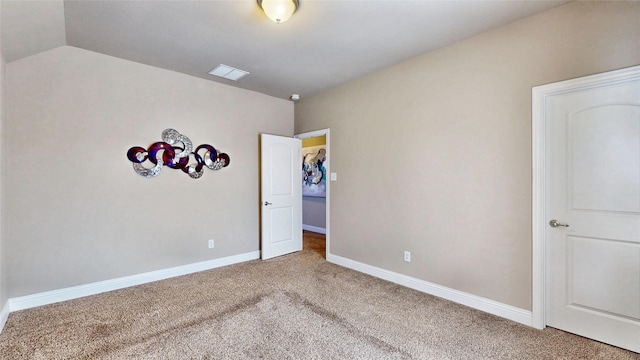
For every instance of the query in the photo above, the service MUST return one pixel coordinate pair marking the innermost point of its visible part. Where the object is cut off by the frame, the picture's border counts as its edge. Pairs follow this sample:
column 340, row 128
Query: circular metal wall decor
column 174, row 151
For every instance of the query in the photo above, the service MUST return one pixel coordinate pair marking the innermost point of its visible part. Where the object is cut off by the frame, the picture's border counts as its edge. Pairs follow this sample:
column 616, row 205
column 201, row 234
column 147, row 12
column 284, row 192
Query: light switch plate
column 334, row 176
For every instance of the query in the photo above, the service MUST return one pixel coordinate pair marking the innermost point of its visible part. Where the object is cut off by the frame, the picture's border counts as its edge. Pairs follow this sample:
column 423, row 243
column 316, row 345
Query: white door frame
column 327, row 165
column 539, row 190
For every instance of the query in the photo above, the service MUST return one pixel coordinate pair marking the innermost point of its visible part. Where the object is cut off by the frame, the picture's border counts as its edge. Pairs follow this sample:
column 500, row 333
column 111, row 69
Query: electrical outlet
column 211, row 244
column 407, row 256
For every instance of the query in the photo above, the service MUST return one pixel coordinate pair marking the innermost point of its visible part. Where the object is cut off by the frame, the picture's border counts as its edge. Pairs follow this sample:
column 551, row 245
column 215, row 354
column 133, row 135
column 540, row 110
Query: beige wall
column 75, row 210
column 434, row 155
column 3, row 256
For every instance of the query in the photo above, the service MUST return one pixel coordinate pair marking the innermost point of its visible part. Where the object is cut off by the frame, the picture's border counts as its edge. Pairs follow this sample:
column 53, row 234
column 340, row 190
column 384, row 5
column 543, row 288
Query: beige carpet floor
column 293, row 307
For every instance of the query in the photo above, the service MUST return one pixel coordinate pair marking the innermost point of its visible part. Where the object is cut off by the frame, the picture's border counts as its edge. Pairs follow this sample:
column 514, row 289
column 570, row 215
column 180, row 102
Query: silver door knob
column 266, row 203
column 555, row 223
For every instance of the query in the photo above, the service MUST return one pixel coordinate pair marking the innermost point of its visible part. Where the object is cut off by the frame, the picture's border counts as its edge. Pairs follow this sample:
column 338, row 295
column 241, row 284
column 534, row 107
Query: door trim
column 327, row 163
column 539, row 174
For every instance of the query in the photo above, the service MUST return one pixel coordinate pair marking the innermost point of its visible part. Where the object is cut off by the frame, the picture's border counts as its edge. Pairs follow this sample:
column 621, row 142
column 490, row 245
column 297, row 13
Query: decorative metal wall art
column 174, row 151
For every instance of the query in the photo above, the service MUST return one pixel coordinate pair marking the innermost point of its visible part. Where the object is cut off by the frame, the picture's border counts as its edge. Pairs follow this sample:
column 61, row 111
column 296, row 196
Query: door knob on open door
column 266, row 203
column 555, row 223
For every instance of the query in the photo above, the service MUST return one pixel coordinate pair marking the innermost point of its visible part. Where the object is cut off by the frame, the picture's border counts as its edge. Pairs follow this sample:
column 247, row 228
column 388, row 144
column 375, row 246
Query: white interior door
column 593, row 211
column 281, row 195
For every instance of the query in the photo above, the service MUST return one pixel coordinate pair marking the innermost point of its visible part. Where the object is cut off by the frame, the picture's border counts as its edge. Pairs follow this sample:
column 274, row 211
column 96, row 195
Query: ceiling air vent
column 228, row 72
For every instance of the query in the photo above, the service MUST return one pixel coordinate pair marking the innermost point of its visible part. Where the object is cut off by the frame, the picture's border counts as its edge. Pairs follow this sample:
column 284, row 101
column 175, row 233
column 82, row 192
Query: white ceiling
column 324, row 44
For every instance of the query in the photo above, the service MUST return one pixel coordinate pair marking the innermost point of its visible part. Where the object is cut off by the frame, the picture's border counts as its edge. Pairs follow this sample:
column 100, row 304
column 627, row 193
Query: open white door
column 592, row 206
column 281, row 195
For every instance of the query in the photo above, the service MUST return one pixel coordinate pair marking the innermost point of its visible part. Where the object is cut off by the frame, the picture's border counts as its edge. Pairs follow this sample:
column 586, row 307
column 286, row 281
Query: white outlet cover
column 334, row 176
column 211, row 244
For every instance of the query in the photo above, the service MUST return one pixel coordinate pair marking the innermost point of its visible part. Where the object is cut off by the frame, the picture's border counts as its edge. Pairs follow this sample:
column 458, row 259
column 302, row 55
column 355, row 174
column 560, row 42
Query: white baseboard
column 4, row 315
column 473, row 301
column 314, row 229
column 483, row 304
column 54, row 296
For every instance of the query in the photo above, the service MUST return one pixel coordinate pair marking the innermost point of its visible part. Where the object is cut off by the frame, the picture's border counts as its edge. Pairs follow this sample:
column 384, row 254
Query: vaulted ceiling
column 324, row 44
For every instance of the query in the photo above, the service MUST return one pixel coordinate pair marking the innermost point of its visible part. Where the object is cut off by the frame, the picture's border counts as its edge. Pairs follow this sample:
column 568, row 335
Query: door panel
column 605, row 177
column 281, row 171
column 281, row 195
column 593, row 179
column 601, row 267
column 281, row 224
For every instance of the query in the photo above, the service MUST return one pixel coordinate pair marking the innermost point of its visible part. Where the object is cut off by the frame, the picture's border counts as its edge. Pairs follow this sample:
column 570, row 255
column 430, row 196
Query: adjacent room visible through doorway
column 315, row 166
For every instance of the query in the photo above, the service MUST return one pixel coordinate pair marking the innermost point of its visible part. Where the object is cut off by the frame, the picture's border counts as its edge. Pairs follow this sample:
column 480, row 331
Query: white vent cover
column 228, row 72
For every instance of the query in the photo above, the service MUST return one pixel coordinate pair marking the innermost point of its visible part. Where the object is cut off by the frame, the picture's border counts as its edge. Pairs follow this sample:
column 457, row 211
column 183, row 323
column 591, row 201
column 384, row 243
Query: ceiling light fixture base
column 279, row 10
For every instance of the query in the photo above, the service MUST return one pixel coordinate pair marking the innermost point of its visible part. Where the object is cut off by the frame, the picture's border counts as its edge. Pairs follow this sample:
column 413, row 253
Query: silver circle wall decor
column 174, row 151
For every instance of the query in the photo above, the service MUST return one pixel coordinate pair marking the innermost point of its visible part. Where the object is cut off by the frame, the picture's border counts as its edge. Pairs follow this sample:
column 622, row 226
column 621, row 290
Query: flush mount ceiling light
column 279, row 10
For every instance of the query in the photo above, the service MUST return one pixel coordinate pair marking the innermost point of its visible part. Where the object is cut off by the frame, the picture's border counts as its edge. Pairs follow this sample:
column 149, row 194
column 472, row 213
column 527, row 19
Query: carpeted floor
column 292, row 307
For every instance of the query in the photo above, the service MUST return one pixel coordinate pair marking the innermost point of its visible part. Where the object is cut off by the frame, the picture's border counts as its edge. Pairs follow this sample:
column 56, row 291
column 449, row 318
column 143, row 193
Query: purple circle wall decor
column 174, row 151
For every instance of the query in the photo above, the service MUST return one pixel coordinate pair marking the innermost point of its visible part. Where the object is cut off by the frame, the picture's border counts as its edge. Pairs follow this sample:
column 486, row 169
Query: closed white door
column 593, row 211
column 281, row 195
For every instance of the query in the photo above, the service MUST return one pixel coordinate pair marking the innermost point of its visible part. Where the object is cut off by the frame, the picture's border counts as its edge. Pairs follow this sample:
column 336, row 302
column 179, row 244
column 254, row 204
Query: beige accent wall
column 434, row 154
column 75, row 210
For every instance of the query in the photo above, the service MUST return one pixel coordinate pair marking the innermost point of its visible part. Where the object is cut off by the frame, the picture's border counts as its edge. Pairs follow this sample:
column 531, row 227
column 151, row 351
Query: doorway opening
column 316, row 164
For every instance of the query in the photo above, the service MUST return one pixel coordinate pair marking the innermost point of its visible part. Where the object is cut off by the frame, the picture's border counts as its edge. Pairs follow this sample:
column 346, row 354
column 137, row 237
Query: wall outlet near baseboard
column 407, row 256
column 211, row 244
